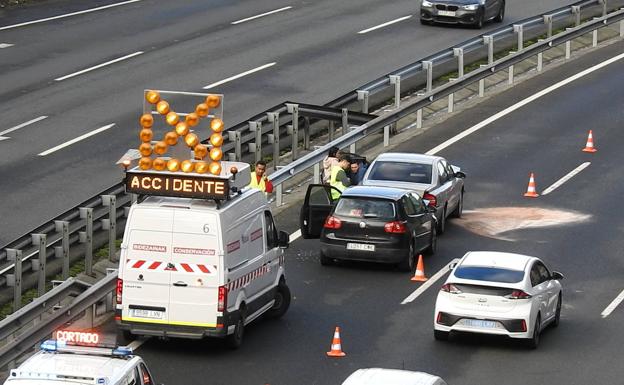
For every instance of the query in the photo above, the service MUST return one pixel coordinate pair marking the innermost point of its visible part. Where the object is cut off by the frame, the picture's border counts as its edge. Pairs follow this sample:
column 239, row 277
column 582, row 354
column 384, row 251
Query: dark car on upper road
column 374, row 224
column 471, row 12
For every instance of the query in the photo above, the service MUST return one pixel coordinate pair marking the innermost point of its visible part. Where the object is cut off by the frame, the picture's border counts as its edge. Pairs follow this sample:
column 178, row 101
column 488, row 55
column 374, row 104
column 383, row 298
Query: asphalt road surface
column 83, row 76
column 576, row 228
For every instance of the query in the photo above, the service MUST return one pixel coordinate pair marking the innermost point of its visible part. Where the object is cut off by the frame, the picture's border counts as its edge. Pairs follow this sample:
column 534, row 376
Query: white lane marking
column 20, row 126
column 3, row 138
column 134, row 345
column 261, row 15
column 566, row 178
column 98, row 66
column 518, row 105
column 609, row 309
column 421, row 289
column 67, row 15
column 78, row 139
column 385, row 24
column 240, row 75
column 294, row 236
column 6, row 45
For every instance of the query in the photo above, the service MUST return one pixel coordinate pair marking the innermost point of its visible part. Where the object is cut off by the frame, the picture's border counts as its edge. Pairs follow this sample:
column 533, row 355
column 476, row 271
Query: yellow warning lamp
column 171, row 138
column 173, row 165
column 145, row 149
column 159, row 164
column 201, row 167
column 216, row 140
column 182, row 128
column 145, row 163
column 192, row 119
column 191, row 140
column 216, row 154
column 147, row 121
column 152, row 97
column 202, row 110
column 187, row 165
column 146, row 135
column 160, row 148
column 214, row 168
column 213, row 101
column 172, row 118
column 200, row 151
column 162, row 107
column 216, row 125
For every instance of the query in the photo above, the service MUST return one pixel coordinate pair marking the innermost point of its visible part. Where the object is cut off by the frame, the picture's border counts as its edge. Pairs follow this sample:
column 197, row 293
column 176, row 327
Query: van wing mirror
column 284, row 240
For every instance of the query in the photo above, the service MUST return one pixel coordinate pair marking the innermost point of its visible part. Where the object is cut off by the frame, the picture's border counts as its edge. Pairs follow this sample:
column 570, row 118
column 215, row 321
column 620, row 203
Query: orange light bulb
column 146, row 135
column 214, row 168
column 182, row 129
column 187, row 165
column 160, row 148
column 216, row 125
column 147, row 120
column 213, row 101
column 159, row 164
column 216, row 154
column 216, row 140
column 200, row 151
column 201, row 110
column 192, row 119
column 173, row 165
column 171, row 138
column 191, row 140
column 152, row 97
column 201, row 167
column 162, row 107
column 172, row 118
column 145, row 149
column 145, row 163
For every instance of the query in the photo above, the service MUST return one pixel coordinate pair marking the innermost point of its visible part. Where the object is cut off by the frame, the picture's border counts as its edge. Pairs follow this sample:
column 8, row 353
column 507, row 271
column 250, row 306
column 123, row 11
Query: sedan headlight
column 426, row 4
column 471, row 7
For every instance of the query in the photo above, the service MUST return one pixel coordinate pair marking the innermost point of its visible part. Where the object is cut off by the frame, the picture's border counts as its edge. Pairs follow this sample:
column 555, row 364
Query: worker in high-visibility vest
column 338, row 178
column 259, row 179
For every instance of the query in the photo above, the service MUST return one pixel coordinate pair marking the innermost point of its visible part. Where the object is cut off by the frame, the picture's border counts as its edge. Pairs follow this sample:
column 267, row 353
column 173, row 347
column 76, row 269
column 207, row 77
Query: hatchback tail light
column 523, row 326
column 332, row 223
column 222, row 300
column 119, row 290
column 450, row 288
column 433, row 201
column 518, row 294
column 395, row 227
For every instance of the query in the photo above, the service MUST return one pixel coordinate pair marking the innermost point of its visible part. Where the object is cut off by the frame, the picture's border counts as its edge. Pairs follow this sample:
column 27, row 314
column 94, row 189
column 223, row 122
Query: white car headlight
column 426, row 4
column 471, row 7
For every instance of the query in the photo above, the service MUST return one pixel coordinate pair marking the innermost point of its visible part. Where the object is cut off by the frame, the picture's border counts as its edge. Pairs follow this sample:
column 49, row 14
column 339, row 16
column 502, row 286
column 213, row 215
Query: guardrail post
column 306, row 133
column 293, row 109
column 576, row 11
column 363, row 98
column 428, row 67
column 459, row 54
column 568, row 47
column 235, row 136
column 419, row 113
column 482, row 83
column 332, row 131
column 274, row 118
column 511, row 71
column 86, row 237
column 489, row 41
column 345, row 121
column 110, row 201
column 279, row 198
column 519, row 30
column 39, row 264
column 540, row 59
column 548, row 19
column 621, row 28
column 396, row 80
column 595, row 34
column 15, row 256
column 317, row 173
column 256, row 147
column 63, row 251
column 451, row 98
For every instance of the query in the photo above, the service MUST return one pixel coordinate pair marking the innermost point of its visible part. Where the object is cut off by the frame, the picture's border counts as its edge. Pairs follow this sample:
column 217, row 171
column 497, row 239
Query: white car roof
column 497, row 259
column 407, row 157
column 379, row 376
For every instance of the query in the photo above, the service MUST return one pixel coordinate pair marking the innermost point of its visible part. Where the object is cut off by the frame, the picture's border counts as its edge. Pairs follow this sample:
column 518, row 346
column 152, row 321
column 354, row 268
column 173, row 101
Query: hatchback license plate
column 142, row 313
column 479, row 323
column 360, row 246
column 447, row 13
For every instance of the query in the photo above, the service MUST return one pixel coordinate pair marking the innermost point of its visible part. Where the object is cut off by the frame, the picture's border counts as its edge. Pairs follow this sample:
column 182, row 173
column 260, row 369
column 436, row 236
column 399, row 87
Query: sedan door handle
column 180, row 284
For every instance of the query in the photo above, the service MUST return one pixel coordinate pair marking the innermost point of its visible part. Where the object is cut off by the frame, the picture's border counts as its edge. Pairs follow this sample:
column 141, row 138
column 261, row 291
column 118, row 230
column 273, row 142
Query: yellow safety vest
column 336, row 183
column 255, row 184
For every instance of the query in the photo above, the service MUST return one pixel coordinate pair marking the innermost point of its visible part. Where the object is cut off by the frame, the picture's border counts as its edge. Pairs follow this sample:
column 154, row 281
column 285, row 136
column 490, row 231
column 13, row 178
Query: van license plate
column 447, row 13
column 360, row 246
column 479, row 323
column 142, row 313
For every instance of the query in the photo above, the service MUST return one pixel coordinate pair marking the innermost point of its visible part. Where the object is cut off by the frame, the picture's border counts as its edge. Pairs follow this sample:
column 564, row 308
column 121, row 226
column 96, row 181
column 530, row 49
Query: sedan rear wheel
column 533, row 342
column 433, row 242
column 480, row 20
column 457, row 213
column 557, row 313
column 409, row 263
column 501, row 13
column 442, row 222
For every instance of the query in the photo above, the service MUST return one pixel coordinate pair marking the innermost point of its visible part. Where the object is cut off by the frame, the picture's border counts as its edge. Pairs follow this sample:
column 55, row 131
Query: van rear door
column 195, row 276
column 147, row 264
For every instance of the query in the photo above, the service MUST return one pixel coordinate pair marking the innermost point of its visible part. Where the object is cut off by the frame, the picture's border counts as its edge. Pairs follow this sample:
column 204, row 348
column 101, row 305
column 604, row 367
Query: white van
column 194, row 268
column 378, row 376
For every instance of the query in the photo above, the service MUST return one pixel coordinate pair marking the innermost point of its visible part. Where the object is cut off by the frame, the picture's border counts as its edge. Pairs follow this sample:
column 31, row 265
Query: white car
column 499, row 293
column 378, row 376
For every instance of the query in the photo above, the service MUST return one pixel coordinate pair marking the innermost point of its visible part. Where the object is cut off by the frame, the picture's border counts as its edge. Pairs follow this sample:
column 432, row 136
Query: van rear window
column 365, row 208
column 490, row 274
column 401, row 171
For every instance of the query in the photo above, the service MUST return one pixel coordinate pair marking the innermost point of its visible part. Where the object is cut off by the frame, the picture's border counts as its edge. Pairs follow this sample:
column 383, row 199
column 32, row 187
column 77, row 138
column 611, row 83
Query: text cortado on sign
column 184, row 186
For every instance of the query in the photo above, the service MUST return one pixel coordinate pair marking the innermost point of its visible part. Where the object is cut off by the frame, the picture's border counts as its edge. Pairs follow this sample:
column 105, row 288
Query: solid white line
column 609, row 309
column 294, row 236
column 22, row 125
column 134, row 345
column 526, row 101
column 421, row 289
column 565, row 178
column 261, row 15
column 68, row 15
column 78, row 139
column 3, row 138
column 98, row 66
column 385, row 24
column 240, row 75
column 6, row 45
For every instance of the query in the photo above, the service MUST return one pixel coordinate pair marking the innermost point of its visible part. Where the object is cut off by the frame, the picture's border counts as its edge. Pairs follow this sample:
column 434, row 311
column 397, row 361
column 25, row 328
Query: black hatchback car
column 369, row 223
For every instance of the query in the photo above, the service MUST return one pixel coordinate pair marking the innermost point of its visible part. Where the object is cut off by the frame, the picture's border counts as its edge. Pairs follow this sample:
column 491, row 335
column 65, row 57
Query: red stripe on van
column 203, row 269
column 154, row 265
column 138, row 264
column 186, row 267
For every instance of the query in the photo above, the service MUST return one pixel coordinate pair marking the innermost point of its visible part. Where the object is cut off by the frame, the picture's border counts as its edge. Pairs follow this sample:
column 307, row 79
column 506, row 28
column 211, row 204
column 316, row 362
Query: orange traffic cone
column 531, row 190
column 336, row 349
column 589, row 147
column 419, row 276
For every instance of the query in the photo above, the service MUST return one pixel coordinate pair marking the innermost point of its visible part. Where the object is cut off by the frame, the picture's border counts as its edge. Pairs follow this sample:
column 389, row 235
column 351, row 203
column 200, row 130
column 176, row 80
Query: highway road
column 71, row 86
column 576, row 228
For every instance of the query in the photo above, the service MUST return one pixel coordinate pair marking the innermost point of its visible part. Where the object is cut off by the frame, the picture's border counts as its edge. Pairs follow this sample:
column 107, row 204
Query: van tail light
column 518, row 294
column 222, row 300
column 119, row 290
column 450, row 288
column 332, row 223
column 433, row 201
column 395, row 227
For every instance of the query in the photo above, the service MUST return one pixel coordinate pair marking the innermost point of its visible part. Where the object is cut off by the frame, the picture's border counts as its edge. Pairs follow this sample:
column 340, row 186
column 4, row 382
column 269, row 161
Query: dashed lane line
column 2, row 137
column 421, row 289
column 566, row 178
column 609, row 309
column 385, row 24
column 78, row 139
column 99, row 66
column 240, row 75
column 261, row 15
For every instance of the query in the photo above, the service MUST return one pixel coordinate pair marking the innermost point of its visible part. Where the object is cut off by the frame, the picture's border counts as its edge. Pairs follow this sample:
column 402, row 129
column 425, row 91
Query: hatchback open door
column 316, row 207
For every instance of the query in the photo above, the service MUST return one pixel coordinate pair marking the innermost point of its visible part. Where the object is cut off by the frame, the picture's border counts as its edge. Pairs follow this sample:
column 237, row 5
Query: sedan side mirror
column 284, row 240
column 556, row 275
column 460, row 174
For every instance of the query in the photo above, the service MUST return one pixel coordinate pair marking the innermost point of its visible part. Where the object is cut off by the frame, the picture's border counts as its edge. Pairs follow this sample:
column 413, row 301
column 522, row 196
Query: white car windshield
column 401, row 171
column 490, row 274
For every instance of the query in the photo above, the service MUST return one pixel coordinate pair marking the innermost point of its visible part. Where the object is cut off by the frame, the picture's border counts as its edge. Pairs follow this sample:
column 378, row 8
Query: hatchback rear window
column 365, row 208
column 400, row 171
column 491, row 274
